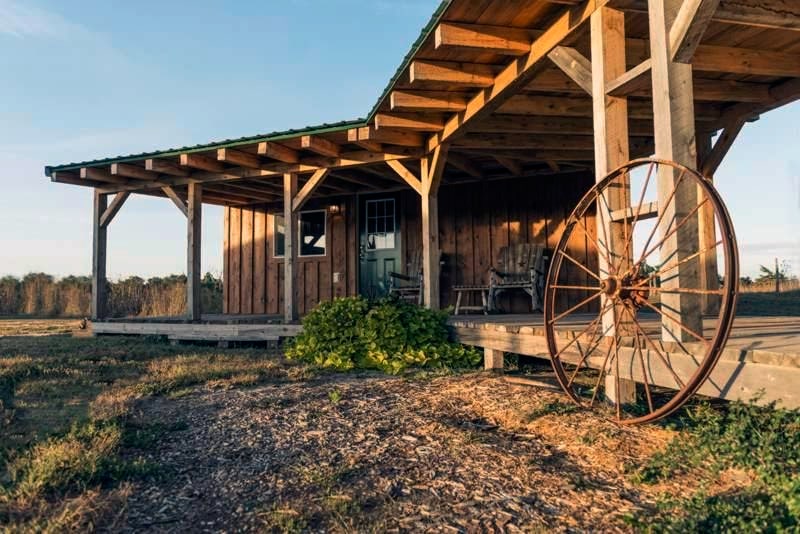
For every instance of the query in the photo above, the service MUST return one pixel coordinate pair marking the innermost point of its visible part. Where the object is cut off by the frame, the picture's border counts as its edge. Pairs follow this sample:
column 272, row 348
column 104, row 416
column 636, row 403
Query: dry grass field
column 137, row 435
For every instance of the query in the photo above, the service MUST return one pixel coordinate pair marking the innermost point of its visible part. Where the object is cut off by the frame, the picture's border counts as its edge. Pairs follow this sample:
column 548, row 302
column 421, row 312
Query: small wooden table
column 484, row 292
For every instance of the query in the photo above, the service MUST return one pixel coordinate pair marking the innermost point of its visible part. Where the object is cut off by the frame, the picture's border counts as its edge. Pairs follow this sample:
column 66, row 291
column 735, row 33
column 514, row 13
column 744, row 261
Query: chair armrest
column 400, row 276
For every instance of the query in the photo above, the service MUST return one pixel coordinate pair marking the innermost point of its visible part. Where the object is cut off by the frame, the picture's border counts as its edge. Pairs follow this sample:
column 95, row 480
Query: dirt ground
column 375, row 453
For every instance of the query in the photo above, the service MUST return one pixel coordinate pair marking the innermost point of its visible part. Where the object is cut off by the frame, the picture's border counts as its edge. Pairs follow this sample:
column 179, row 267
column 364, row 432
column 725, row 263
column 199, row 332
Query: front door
column 379, row 244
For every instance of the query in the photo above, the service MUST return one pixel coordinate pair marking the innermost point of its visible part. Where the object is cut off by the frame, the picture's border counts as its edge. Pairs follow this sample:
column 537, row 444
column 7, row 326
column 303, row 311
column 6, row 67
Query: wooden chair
column 522, row 267
column 408, row 286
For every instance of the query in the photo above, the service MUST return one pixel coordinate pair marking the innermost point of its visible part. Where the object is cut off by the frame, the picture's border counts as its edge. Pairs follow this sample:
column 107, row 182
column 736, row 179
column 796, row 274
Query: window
column 312, row 227
column 312, row 233
column 279, row 240
column 380, row 224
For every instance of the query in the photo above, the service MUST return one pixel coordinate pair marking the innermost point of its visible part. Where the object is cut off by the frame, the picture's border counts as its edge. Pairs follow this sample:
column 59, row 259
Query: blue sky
column 86, row 79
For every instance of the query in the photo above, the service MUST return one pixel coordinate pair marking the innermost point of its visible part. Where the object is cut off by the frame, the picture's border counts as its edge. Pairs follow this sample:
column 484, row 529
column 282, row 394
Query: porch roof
column 506, row 84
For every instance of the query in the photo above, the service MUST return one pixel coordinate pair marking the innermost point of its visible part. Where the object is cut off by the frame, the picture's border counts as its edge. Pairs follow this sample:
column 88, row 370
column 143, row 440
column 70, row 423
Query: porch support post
column 674, row 122
column 99, row 240
column 290, row 247
column 432, row 168
column 708, row 236
column 611, row 150
column 193, row 245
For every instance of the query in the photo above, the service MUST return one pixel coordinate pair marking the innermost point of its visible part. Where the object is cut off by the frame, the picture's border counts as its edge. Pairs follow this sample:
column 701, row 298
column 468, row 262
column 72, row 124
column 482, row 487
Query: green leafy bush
column 761, row 441
column 389, row 335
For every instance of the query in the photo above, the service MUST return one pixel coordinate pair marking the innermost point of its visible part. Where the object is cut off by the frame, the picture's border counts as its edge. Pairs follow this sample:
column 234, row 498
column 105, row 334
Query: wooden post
column 611, row 142
column 493, row 359
column 290, row 247
column 674, row 122
column 708, row 237
column 432, row 168
column 193, row 245
column 99, row 240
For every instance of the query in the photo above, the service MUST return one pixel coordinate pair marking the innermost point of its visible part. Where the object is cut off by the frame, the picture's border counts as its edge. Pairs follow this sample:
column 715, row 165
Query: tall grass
column 42, row 295
column 792, row 284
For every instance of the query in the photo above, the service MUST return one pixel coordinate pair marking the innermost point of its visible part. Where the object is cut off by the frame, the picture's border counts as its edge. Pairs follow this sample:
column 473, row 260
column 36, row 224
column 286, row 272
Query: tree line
column 43, row 295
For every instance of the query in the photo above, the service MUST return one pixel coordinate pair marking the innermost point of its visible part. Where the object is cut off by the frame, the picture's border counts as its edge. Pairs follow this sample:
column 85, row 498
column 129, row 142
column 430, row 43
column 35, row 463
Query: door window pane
column 278, row 229
column 380, row 224
column 312, row 233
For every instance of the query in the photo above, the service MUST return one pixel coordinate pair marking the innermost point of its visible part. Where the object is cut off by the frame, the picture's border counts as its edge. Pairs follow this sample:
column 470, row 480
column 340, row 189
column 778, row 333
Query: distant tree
column 770, row 275
column 746, row 281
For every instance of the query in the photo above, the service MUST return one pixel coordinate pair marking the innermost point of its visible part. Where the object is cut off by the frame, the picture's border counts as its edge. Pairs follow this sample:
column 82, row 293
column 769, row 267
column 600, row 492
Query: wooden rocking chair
column 408, row 286
column 522, row 267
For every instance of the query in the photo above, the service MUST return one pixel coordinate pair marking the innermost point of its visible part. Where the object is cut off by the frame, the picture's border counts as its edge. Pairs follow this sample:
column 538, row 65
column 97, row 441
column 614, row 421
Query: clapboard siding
column 476, row 221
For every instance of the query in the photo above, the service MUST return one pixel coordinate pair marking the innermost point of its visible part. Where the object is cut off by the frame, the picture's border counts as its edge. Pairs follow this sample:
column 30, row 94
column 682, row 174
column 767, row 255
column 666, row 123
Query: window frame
column 300, row 237
column 275, row 254
column 394, row 221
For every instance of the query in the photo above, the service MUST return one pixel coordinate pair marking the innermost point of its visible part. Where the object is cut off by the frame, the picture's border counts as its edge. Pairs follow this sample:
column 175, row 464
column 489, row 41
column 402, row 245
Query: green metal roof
column 274, row 136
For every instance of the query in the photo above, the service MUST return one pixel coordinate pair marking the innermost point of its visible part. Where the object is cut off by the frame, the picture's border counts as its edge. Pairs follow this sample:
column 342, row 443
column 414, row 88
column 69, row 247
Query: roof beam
column 407, row 176
column 178, row 201
column 745, row 61
column 635, row 80
column 573, row 64
column 514, row 167
column 688, row 29
column 566, row 106
column 548, row 125
column 320, row 145
column 519, row 72
column 408, row 121
column 427, row 101
column 308, row 189
column 391, row 137
column 464, row 164
column 279, row 152
column 237, row 157
column 445, row 72
column 204, row 163
column 535, row 141
column 496, row 39
column 161, row 166
column 100, row 175
column 132, row 171
column 723, row 144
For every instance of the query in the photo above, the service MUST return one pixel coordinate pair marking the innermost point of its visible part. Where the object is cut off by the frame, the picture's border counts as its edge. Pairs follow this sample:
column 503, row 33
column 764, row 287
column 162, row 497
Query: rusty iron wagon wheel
column 635, row 327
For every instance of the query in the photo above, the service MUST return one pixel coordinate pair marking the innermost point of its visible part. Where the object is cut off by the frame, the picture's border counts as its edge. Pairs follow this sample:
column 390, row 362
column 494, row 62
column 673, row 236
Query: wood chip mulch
column 464, row 453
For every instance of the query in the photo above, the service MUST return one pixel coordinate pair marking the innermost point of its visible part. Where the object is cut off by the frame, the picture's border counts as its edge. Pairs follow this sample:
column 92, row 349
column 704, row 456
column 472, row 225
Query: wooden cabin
column 501, row 116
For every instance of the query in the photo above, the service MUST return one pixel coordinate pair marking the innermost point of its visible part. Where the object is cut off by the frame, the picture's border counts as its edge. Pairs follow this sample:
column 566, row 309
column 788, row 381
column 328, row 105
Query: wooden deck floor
column 762, row 354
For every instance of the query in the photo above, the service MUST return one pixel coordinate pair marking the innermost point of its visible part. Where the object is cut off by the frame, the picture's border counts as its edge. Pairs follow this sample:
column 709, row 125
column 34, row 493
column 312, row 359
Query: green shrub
column 760, row 441
column 389, row 335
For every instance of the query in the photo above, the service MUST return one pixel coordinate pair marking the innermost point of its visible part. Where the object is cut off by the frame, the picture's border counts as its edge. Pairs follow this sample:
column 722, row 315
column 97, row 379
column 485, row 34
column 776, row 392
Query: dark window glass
column 312, row 233
column 280, row 237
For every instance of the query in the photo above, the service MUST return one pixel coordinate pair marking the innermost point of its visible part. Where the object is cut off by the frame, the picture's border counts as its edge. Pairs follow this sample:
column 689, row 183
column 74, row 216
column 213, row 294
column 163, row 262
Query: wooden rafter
column 514, row 167
column 308, row 189
column 198, row 161
column 237, row 157
column 132, row 171
column 279, row 152
column 161, row 166
column 408, row 121
column 177, row 200
column 320, row 145
column 463, row 74
column 496, row 39
column 100, row 175
column 427, row 101
column 407, row 176
column 464, row 164
column 392, row 137
column 721, row 147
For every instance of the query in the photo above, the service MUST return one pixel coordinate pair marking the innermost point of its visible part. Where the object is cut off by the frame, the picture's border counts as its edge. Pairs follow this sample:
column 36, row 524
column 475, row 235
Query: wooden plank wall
column 476, row 220
column 254, row 276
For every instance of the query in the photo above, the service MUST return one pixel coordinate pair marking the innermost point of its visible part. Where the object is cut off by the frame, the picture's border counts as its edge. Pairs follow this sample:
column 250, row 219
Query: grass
column 744, row 463
column 770, row 303
column 69, row 441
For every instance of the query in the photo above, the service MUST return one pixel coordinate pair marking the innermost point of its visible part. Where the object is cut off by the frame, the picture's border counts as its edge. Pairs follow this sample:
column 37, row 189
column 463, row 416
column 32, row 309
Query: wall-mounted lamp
column 335, row 209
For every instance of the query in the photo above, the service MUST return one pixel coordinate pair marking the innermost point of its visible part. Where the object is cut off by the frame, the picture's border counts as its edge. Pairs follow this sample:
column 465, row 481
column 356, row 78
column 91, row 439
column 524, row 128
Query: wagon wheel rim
column 617, row 333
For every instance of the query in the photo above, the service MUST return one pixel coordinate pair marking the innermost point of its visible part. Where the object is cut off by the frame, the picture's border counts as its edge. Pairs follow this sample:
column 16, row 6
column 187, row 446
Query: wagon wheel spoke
column 579, row 264
column 592, row 344
column 629, row 238
column 638, row 349
column 672, row 232
column 591, row 239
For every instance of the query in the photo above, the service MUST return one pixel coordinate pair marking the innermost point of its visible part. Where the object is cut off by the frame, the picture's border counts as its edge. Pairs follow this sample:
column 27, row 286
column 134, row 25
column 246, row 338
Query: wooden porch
column 762, row 355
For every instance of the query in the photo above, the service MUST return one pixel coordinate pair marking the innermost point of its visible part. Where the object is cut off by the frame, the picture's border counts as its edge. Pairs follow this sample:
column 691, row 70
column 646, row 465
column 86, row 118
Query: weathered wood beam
column 308, row 189
column 409, row 121
column 536, row 155
column 320, row 145
column 427, row 101
column 464, row 164
column 537, row 141
column 407, row 176
column 132, row 171
column 734, row 60
column 198, row 161
column 391, row 137
column 648, row 210
column 290, row 310
column 113, row 209
column 496, row 39
column 451, row 73
column 527, row 124
column 573, row 64
column 509, row 164
column 237, row 157
column 160, row 166
column 177, row 200
column 194, row 228
column 714, row 159
column 100, row 175
column 635, row 80
column 689, row 26
column 366, row 144
column 432, row 168
column 278, row 152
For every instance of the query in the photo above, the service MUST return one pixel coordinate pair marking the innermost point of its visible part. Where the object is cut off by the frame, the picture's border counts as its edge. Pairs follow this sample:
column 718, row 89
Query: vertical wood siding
column 475, row 222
